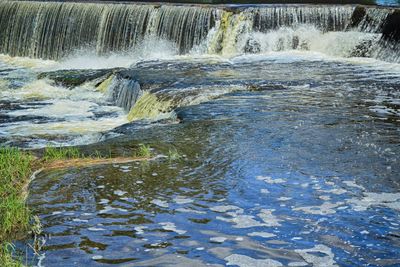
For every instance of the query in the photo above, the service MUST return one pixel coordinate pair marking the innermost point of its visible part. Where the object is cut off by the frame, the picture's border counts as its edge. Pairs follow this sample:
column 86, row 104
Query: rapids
column 285, row 119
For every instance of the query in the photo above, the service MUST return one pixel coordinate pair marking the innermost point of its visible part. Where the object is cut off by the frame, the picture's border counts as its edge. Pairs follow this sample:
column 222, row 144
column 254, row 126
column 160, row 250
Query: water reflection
column 302, row 174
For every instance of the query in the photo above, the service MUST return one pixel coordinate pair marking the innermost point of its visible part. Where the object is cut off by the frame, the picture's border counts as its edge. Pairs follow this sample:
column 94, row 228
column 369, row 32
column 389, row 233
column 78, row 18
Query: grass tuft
column 173, row 155
column 143, row 151
column 6, row 258
column 60, row 153
column 16, row 166
column 15, row 169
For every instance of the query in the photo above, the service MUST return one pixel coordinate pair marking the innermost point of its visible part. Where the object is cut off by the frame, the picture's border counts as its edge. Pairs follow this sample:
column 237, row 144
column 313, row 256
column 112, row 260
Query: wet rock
column 357, row 16
column 295, row 42
column 125, row 92
column 265, row 87
column 391, row 27
column 73, row 78
column 252, row 47
column 363, row 49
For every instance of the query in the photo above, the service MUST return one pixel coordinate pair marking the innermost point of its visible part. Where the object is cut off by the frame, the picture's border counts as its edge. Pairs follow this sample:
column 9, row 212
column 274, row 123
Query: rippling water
column 301, row 169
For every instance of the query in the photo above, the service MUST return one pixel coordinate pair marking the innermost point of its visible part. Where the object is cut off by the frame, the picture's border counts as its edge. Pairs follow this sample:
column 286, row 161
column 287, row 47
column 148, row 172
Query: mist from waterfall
column 83, row 34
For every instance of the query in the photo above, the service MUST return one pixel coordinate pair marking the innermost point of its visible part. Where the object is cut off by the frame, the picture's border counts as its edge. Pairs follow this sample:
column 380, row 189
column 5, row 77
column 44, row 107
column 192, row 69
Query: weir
column 52, row 30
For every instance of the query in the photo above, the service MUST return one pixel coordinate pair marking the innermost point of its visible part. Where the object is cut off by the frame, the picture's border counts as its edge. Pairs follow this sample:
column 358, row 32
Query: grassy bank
column 17, row 166
column 15, row 169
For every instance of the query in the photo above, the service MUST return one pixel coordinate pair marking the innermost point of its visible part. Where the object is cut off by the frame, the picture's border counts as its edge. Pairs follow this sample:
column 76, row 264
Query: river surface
column 288, row 159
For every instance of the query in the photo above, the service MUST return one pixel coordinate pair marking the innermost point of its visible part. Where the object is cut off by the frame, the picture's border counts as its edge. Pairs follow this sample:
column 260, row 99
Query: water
column 54, row 30
column 289, row 142
column 302, row 171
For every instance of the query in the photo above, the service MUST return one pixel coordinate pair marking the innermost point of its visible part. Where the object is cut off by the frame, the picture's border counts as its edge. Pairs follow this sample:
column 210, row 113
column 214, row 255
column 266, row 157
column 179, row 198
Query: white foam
column 246, row 261
column 318, row 261
column 261, row 234
column 120, row 192
column 26, row 62
column 160, row 203
column 224, row 208
column 268, row 218
column 390, row 200
column 140, row 229
column 170, row 226
column 242, row 221
column 270, row 180
column 183, row 200
column 108, row 208
column 96, row 229
column 150, row 48
column 353, row 184
column 218, row 239
column 190, row 211
column 325, row 208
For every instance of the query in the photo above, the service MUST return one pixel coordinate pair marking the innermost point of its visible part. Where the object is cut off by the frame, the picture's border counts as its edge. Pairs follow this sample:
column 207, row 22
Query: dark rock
column 73, row 78
column 265, row 87
column 126, row 92
column 295, row 42
column 363, row 49
column 391, row 27
column 357, row 16
column 252, row 47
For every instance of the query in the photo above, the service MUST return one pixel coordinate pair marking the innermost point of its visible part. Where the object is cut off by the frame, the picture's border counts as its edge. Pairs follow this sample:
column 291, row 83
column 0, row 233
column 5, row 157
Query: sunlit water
column 303, row 170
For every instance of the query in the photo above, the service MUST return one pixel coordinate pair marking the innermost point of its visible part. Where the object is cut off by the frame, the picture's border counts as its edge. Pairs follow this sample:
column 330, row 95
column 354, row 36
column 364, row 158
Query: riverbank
column 17, row 168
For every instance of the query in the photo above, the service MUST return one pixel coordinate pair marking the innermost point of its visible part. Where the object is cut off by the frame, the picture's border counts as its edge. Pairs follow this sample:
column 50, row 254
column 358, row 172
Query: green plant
column 97, row 155
column 6, row 258
column 174, row 155
column 143, row 151
column 59, row 153
column 15, row 169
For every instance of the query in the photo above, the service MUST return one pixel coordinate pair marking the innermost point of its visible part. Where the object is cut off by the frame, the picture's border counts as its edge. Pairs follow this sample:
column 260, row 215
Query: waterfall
column 123, row 92
column 52, row 30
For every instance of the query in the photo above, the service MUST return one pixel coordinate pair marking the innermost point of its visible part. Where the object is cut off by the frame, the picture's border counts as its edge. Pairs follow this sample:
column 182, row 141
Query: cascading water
column 274, row 130
column 54, row 30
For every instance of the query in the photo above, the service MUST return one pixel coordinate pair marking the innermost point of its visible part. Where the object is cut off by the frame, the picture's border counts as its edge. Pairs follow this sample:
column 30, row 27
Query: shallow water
column 302, row 171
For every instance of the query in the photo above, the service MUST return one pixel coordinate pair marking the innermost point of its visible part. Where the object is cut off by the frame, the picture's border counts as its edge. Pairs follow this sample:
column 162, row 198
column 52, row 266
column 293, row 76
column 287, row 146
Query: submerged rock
column 363, row 49
column 252, row 47
column 150, row 106
column 73, row 78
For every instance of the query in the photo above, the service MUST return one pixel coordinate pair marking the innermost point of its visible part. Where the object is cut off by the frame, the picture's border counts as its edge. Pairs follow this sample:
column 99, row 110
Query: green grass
column 173, row 155
column 60, row 153
column 15, row 169
column 63, row 153
column 6, row 260
column 143, row 151
column 16, row 166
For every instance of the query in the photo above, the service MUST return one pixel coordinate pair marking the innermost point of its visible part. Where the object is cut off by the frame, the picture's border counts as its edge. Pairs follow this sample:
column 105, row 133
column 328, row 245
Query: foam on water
column 327, row 260
column 170, row 226
column 246, row 261
column 67, row 116
column 151, row 48
column 320, row 102
column 26, row 62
